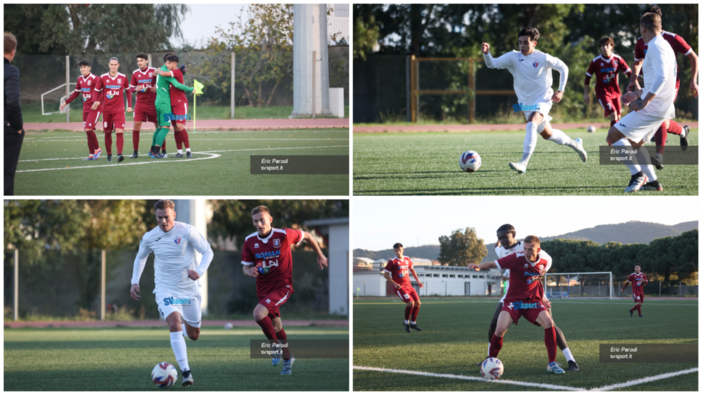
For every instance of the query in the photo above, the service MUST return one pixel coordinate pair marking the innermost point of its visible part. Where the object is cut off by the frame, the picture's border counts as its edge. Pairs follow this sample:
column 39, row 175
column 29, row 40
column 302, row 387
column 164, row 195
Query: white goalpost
column 579, row 284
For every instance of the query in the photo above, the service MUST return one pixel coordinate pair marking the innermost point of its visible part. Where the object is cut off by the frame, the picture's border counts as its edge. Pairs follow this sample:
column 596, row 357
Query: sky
column 378, row 223
column 200, row 21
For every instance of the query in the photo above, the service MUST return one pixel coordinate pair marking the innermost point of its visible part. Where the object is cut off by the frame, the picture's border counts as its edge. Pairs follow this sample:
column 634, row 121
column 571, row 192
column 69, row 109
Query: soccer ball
column 492, row 369
column 470, row 161
column 164, row 375
column 228, row 325
column 591, row 129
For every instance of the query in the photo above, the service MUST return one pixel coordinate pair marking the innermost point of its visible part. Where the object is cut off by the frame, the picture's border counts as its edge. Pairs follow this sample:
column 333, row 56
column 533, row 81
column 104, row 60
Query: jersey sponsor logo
column 276, row 243
column 145, row 81
column 177, row 240
column 177, row 301
column 524, row 306
column 113, row 86
column 522, row 107
column 268, row 254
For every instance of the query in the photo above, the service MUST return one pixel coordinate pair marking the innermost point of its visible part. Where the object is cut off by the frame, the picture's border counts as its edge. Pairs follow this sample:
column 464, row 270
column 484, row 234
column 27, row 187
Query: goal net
column 579, row 284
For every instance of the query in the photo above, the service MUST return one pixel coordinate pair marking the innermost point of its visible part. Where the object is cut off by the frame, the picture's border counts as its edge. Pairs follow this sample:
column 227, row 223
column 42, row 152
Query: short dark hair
column 84, row 63
column 654, row 9
column 260, row 209
column 532, row 32
column 606, row 40
column 506, row 228
column 113, row 58
column 638, row 264
column 172, row 58
column 531, row 239
column 166, row 55
column 10, row 43
column 142, row 55
column 164, row 204
column 397, row 245
column 651, row 21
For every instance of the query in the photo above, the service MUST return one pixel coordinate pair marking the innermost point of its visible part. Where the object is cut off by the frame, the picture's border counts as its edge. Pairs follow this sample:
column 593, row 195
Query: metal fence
column 57, row 285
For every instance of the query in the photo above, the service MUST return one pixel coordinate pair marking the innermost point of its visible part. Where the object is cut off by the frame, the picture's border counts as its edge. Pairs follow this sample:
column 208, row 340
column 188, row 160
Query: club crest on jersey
column 256, row 245
column 276, row 243
column 177, row 240
column 535, row 64
column 119, row 80
column 89, row 82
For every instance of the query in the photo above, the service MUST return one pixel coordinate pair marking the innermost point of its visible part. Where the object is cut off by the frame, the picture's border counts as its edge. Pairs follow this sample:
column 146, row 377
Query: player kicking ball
column 651, row 106
column 266, row 255
column 531, row 70
column 524, row 298
column 176, row 274
column 637, row 280
column 397, row 272
column 507, row 244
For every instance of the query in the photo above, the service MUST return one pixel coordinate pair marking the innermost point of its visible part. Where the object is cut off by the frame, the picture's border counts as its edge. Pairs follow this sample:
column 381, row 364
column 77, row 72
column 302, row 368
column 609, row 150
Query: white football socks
column 568, row 355
column 560, row 138
column 529, row 142
column 488, row 349
column 180, row 151
column 187, row 150
column 406, row 322
column 180, row 350
column 646, row 166
column 633, row 168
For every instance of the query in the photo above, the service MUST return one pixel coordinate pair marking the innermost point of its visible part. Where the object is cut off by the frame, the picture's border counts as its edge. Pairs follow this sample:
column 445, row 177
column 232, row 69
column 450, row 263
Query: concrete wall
column 370, row 284
column 339, row 269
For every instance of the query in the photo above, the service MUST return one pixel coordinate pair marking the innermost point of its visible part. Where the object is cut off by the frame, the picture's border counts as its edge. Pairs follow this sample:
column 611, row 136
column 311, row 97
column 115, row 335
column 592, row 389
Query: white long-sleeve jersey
column 519, row 247
column 660, row 70
column 174, row 255
column 532, row 74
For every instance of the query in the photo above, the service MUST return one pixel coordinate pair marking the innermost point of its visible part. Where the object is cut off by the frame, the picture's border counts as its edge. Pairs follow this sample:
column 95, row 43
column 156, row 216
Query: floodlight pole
column 68, row 87
column 102, row 285
column 232, row 82
column 15, row 302
column 314, row 84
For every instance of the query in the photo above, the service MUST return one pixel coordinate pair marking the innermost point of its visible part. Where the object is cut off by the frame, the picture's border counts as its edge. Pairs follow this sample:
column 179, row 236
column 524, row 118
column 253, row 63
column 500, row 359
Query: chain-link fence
column 659, row 288
column 59, row 286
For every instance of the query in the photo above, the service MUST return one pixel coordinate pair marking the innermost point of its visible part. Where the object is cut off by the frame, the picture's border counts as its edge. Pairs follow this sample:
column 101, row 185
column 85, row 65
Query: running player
column 637, row 280
column 679, row 45
column 266, row 256
column 113, row 84
column 606, row 68
column 651, row 106
column 144, row 84
column 86, row 85
column 531, row 70
column 176, row 274
column 163, row 104
column 507, row 244
column 397, row 272
column 524, row 297
column 179, row 109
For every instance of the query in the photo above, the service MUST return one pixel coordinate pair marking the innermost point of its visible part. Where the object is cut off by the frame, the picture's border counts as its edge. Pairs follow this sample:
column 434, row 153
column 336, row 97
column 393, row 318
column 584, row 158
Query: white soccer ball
column 591, row 129
column 470, row 161
column 492, row 369
column 228, row 325
column 164, row 375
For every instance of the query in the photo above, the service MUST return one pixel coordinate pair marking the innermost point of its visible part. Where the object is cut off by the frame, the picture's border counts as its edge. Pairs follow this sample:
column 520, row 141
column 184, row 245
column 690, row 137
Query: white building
column 437, row 280
column 339, row 21
column 337, row 232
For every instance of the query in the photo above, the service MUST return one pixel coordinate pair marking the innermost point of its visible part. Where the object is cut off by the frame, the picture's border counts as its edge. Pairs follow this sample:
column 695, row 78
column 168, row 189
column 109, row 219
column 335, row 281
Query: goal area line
column 530, row 384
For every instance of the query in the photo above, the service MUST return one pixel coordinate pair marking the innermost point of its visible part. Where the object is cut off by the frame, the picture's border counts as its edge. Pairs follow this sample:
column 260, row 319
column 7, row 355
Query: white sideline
column 198, row 139
column 528, row 384
column 472, row 378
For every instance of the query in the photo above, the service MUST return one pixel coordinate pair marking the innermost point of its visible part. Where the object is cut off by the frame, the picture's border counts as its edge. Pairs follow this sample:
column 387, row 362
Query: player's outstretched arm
column 562, row 69
column 635, row 70
column 414, row 273
column 626, row 284
column 389, row 278
column 202, row 246
column 500, row 63
column 178, row 85
column 482, row 266
column 139, row 264
column 321, row 259
column 75, row 94
column 694, row 67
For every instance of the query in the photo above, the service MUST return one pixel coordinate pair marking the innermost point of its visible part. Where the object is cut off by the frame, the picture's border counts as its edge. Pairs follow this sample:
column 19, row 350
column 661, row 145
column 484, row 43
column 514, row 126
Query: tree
column 365, row 36
column 462, row 248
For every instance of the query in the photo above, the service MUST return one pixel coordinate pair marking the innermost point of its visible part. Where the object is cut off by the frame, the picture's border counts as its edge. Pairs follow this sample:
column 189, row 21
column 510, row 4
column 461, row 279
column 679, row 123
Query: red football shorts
column 92, row 119
column 113, row 121
column 274, row 299
column 610, row 104
column 145, row 112
column 180, row 113
column 529, row 309
column 407, row 293
column 638, row 298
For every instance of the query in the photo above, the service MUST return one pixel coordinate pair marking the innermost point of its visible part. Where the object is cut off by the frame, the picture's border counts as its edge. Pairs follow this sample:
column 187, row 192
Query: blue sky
column 200, row 22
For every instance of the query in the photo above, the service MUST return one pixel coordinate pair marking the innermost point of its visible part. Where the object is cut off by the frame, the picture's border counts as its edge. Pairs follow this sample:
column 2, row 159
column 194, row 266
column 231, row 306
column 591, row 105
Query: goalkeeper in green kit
column 163, row 102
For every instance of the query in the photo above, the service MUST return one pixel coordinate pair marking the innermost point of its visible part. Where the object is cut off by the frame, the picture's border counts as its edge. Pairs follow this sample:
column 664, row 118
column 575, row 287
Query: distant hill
column 626, row 233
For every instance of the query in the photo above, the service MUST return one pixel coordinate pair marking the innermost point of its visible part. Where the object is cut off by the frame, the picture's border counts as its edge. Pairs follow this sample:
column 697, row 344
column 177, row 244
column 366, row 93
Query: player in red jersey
column 266, row 255
column 637, row 280
column 679, row 45
column 113, row 84
column 179, row 108
column 397, row 272
column 606, row 69
column 144, row 84
column 524, row 297
column 86, row 86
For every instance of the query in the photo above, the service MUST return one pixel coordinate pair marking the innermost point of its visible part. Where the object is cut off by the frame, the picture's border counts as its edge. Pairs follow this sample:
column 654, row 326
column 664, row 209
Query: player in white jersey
column 531, row 70
column 507, row 244
column 651, row 105
column 176, row 273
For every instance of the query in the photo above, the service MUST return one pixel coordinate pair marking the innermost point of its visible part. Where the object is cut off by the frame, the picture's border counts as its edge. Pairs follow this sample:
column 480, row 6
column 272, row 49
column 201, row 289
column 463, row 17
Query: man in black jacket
column 14, row 133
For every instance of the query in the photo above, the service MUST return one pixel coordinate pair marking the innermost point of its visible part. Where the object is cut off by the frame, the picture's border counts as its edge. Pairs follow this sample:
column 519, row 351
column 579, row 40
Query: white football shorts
column 188, row 306
column 543, row 108
column 639, row 126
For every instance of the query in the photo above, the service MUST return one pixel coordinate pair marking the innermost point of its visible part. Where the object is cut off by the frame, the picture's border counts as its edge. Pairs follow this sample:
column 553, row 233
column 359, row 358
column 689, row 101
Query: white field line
column 529, row 384
column 271, row 149
column 115, row 165
column 651, row 302
column 196, row 139
column 645, row 380
column 472, row 378
column 213, row 132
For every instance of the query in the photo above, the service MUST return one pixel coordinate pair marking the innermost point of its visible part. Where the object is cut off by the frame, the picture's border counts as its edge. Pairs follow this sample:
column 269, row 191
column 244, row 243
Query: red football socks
column 408, row 311
column 550, row 340
column 675, row 128
column 283, row 337
column 108, row 143
column 179, row 139
column 612, row 123
column 267, row 327
column 91, row 148
column 185, row 138
column 496, row 346
column 135, row 140
column 120, row 143
column 415, row 311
